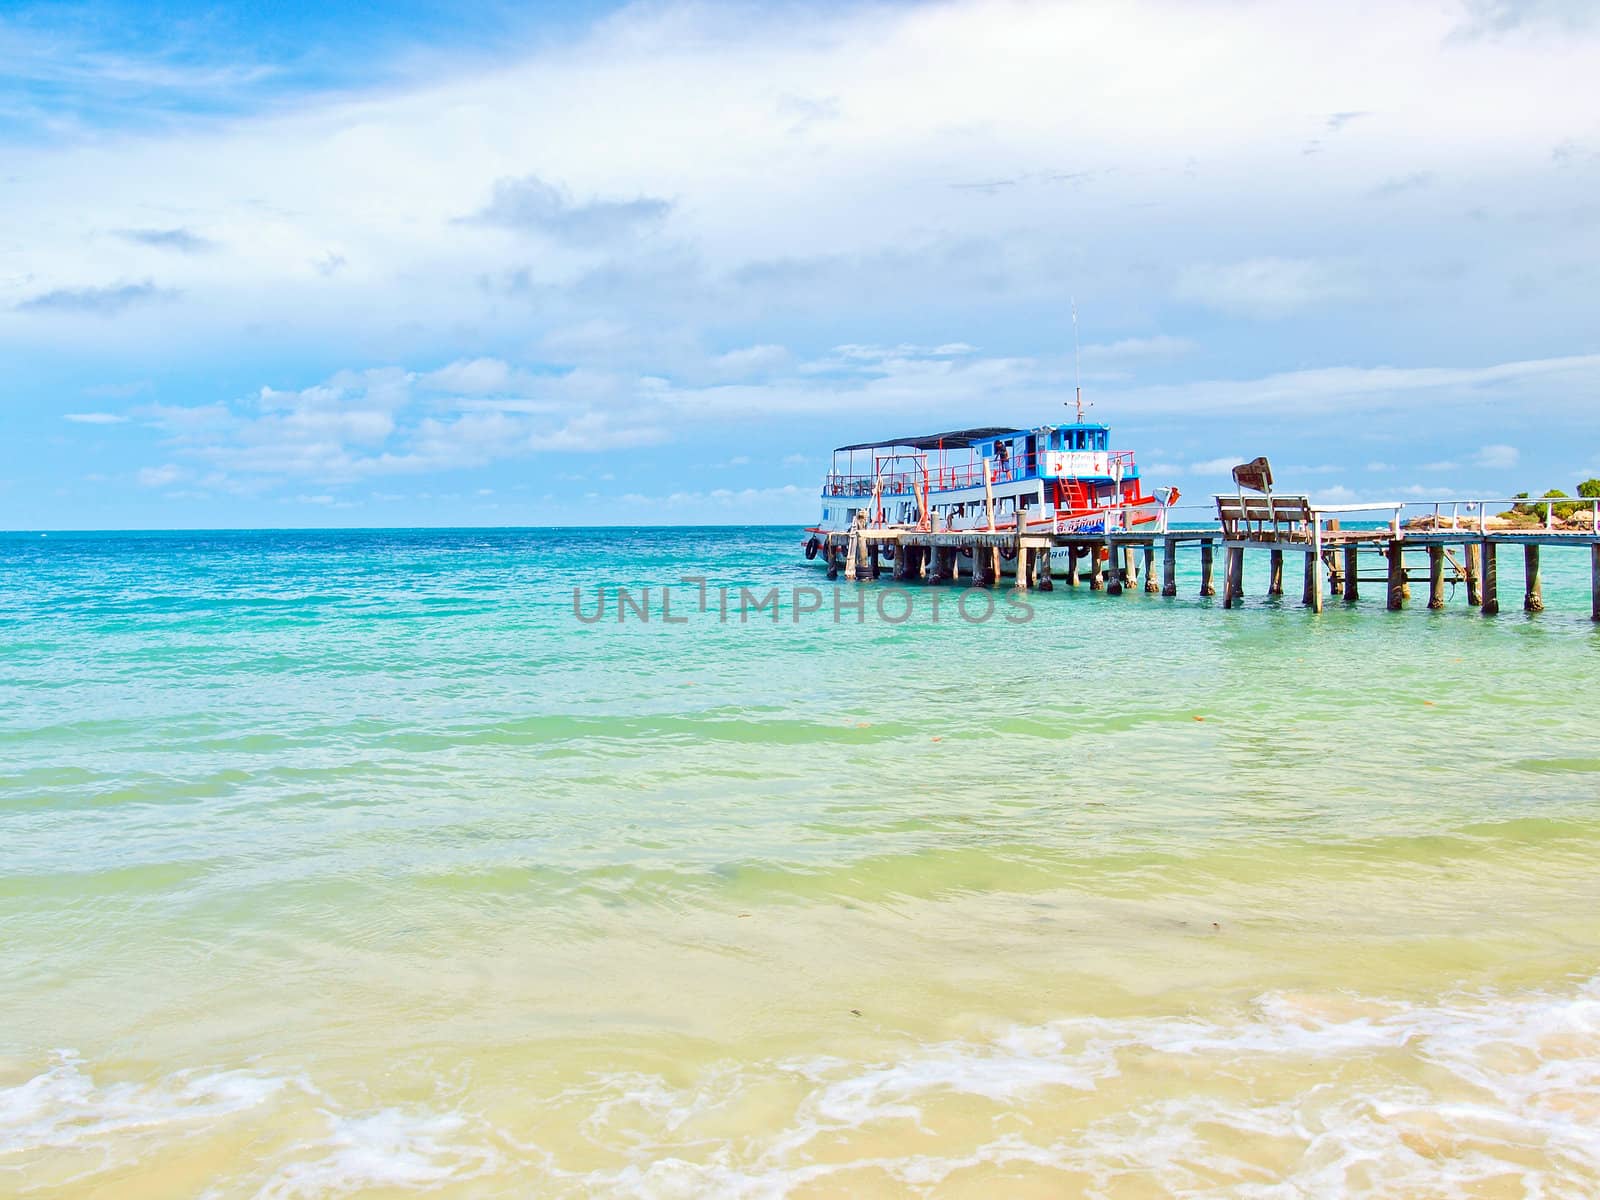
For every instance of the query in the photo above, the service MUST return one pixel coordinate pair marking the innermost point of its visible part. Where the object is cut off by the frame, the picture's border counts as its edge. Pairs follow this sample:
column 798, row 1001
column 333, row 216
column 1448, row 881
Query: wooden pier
column 1337, row 561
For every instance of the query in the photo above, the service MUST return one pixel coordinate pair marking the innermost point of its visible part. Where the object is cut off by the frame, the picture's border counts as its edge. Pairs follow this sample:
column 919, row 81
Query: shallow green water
column 356, row 863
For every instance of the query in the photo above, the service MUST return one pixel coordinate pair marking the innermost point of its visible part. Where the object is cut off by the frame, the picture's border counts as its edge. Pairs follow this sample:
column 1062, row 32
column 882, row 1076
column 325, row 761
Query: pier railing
column 1476, row 513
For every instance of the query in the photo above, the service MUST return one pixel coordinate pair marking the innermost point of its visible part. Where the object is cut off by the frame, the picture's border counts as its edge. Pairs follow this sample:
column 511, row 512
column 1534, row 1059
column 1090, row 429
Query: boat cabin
column 953, row 477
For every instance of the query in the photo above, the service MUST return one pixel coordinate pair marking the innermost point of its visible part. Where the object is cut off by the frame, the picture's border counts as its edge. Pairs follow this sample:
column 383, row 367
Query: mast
column 1077, row 371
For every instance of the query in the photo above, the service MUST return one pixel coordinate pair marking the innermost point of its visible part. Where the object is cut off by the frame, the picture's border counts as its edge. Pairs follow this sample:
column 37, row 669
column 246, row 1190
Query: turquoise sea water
column 355, row 863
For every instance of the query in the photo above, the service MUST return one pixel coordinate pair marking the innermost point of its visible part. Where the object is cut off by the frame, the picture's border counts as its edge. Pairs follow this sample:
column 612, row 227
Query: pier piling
column 1397, row 577
column 1207, row 556
column 1489, row 582
column 1594, row 581
column 1533, row 590
column 1072, row 567
column 1435, row 577
column 1470, row 558
column 1097, row 579
column 1118, row 572
column 1352, row 573
column 1232, row 576
column 980, row 567
column 1275, row 574
column 1150, row 585
column 1169, row 567
column 1312, row 598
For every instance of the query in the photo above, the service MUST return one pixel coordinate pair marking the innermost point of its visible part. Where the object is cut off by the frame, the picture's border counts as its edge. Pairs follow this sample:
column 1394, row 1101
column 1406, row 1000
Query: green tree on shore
column 1589, row 489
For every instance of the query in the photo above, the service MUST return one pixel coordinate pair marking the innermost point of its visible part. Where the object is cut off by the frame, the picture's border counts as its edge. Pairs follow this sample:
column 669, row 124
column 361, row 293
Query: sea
column 647, row 862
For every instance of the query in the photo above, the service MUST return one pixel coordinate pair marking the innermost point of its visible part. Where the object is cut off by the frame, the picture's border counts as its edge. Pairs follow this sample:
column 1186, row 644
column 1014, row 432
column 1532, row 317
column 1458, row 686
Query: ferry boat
column 1051, row 479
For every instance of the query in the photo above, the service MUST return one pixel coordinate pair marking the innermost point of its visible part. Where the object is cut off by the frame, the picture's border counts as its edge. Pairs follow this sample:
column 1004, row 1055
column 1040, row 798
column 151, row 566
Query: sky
column 586, row 263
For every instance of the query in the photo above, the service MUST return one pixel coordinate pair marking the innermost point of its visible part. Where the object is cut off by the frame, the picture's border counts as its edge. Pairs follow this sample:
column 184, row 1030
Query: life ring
column 1008, row 553
column 811, row 549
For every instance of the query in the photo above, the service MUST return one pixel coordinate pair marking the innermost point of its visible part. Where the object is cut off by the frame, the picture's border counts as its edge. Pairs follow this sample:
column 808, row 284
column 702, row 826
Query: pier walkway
column 1446, row 543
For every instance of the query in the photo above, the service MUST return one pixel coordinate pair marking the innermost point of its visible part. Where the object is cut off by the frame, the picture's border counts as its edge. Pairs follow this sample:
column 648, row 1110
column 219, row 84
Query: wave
column 1293, row 1095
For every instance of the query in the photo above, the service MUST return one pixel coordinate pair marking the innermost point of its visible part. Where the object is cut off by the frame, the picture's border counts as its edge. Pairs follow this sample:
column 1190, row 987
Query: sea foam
column 1390, row 1098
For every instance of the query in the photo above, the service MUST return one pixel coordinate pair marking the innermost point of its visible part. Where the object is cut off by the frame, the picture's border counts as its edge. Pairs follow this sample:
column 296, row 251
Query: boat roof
column 955, row 439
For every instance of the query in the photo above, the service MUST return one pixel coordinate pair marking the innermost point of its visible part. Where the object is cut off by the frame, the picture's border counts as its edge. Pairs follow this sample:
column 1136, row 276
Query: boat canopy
column 956, row 439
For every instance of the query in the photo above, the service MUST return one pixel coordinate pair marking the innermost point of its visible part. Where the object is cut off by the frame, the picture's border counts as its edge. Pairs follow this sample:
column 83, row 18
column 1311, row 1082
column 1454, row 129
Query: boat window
column 1055, row 440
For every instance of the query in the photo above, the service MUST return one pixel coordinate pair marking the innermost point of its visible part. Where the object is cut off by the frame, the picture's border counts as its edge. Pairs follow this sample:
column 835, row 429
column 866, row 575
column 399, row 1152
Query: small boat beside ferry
column 1057, row 479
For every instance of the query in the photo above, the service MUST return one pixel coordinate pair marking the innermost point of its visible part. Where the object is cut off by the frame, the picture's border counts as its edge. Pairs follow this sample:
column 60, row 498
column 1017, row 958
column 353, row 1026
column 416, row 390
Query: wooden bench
column 1270, row 517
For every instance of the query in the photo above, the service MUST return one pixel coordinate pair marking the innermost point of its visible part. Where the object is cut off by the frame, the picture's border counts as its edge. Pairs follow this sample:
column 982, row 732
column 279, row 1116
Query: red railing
column 898, row 484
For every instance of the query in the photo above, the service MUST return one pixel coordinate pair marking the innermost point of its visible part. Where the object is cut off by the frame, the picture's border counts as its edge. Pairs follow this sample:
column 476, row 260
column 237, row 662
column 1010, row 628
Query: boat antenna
column 1077, row 370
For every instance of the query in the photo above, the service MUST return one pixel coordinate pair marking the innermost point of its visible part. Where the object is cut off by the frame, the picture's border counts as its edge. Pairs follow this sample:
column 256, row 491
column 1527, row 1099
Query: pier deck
column 1443, row 557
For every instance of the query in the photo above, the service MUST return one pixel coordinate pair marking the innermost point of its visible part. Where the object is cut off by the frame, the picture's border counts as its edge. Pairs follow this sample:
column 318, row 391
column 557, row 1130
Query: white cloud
column 1497, row 457
column 1216, row 466
column 1556, row 382
column 162, row 476
column 1265, row 287
column 751, row 360
column 532, row 205
column 95, row 418
column 472, row 377
column 898, row 104
column 1136, row 349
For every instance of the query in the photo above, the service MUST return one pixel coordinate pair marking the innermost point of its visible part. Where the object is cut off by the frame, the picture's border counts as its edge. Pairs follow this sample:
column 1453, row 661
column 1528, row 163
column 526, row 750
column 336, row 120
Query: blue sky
column 449, row 264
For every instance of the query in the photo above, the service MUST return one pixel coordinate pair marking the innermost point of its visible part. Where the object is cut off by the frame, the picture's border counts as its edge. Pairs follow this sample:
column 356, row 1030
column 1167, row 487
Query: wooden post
column 1275, row 574
column 1397, row 578
column 1232, row 575
column 980, row 566
column 1336, row 573
column 997, row 570
column 1169, row 566
column 1023, row 563
column 852, row 551
column 1150, row 584
column 1207, row 556
column 1594, row 580
column 1047, row 580
column 1314, row 565
column 1533, row 592
column 1490, row 581
column 1097, row 579
column 1117, row 573
column 1470, row 558
column 1308, row 595
column 1130, row 572
column 1072, row 567
column 1352, row 569
column 1435, row 577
